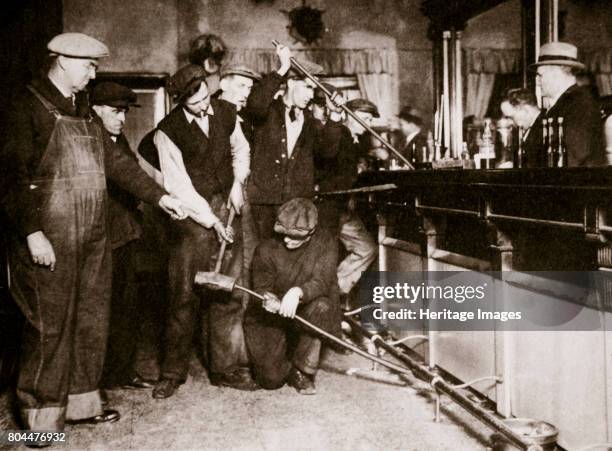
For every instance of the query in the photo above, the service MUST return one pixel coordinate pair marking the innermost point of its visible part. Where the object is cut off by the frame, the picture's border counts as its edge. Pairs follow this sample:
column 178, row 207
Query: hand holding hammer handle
column 232, row 213
column 299, row 67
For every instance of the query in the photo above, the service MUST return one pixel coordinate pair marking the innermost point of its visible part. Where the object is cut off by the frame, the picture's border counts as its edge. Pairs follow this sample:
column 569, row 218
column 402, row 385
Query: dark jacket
column 208, row 160
column 535, row 153
column 123, row 215
column 582, row 126
column 340, row 171
column 312, row 267
column 275, row 178
column 31, row 125
column 336, row 174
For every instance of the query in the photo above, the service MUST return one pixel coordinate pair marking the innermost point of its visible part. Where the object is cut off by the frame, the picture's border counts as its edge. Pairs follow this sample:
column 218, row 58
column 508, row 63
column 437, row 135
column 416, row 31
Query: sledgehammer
column 215, row 281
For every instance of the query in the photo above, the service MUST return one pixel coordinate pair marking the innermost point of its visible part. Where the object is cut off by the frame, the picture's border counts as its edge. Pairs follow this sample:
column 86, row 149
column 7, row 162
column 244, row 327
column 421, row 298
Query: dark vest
column 208, row 160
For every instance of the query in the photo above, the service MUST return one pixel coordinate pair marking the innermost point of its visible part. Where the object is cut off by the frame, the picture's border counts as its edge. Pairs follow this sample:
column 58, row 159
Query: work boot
column 302, row 382
column 240, row 380
column 165, row 388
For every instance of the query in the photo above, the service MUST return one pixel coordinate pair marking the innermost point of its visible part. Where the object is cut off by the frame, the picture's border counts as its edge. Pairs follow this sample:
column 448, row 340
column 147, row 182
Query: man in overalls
column 59, row 254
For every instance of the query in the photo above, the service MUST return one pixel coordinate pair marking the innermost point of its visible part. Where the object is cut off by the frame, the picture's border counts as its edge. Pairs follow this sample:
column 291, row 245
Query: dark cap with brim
column 309, row 66
column 363, row 105
column 239, row 69
column 185, row 81
column 113, row 94
column 297, row 218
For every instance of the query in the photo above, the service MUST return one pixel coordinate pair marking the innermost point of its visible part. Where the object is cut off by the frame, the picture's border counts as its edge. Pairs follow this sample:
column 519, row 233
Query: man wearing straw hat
column 556, row 74
column 286, row 140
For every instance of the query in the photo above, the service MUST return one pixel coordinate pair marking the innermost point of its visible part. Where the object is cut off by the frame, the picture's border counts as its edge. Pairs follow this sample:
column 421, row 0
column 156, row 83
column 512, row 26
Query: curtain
column 479, row 90
column 481, row 66
column 604, row 84
column 378, row 88
column 334, row 61
column 376, row 70
column 599, row 62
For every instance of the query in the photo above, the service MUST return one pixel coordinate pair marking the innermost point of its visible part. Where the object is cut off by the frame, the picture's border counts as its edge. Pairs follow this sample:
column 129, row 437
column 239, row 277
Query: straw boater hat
column 558, row 54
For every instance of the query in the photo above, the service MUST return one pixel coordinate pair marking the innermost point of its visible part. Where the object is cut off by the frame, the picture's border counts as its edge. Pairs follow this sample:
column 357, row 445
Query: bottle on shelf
column 520, row 156
column 544, row 147
column 486, row 149
column 465, row 154
column 550, row 148
column 562, row 150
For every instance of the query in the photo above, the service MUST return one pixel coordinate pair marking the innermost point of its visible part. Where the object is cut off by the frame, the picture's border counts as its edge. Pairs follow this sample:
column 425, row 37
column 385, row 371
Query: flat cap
column 363, row 105
column 297, row 218
column 185, row 80
column 239, row 69
column 77, row 45
column 319, row 95
column 412, row 115
column 113, row 94
column 309, row 66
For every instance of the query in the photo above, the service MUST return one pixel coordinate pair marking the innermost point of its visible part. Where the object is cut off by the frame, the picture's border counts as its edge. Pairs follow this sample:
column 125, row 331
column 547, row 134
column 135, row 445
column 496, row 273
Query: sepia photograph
column 294, row 225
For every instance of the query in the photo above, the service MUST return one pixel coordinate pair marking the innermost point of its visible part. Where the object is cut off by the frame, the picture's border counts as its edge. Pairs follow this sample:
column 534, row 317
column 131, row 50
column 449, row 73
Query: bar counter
column 509, row 220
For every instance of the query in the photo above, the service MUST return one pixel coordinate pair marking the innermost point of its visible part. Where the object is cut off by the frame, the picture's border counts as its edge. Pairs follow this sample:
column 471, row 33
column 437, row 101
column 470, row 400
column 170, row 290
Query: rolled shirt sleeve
column 241, row 153
column 178, row 183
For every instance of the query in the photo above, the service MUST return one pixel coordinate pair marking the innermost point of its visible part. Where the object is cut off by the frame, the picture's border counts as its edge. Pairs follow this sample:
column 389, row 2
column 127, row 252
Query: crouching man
column 297, row 272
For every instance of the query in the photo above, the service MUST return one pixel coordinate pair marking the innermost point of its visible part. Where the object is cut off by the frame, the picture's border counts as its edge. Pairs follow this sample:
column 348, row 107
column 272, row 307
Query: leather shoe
column 302, row 382
column 108, row 416
column 38, row 444
column 138, row 383
column 239, row 379
column 165, row 388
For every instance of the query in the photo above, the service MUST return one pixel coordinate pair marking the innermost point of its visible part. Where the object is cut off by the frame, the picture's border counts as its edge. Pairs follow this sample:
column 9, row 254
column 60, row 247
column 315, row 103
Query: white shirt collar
column 411, row 136
column 190, row 116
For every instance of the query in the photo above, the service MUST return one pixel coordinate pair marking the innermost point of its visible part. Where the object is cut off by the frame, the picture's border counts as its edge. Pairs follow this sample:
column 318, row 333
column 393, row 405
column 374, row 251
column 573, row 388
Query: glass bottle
column 562, row 150
column 550, row 148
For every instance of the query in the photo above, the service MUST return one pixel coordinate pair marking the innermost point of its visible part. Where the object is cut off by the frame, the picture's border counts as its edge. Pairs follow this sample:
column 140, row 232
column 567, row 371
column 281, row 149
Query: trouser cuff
column 84, row 405
column 44, row 419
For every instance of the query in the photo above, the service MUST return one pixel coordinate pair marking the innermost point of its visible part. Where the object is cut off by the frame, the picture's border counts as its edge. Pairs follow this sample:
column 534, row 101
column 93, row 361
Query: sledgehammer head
column 215, row 281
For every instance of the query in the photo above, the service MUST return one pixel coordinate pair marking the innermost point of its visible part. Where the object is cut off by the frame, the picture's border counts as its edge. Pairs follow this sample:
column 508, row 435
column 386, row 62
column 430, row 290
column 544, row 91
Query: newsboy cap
column 309, row 66
column 77, row 45
column 412, row 115
column 363, row 105
column 184, row 81
column 558, row 54
column 239, row 69
column 113, row 94
column 297, row 218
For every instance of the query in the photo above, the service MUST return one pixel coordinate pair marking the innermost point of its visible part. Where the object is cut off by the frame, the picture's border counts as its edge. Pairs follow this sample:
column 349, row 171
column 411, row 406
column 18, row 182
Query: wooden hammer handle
column 232, row 214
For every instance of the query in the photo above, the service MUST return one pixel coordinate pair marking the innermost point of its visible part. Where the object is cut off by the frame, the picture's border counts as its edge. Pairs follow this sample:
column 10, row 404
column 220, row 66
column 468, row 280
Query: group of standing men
column 74, row 187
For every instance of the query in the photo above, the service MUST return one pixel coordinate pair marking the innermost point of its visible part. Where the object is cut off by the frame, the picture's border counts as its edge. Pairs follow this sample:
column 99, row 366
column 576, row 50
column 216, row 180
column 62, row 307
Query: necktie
column 292, row 114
